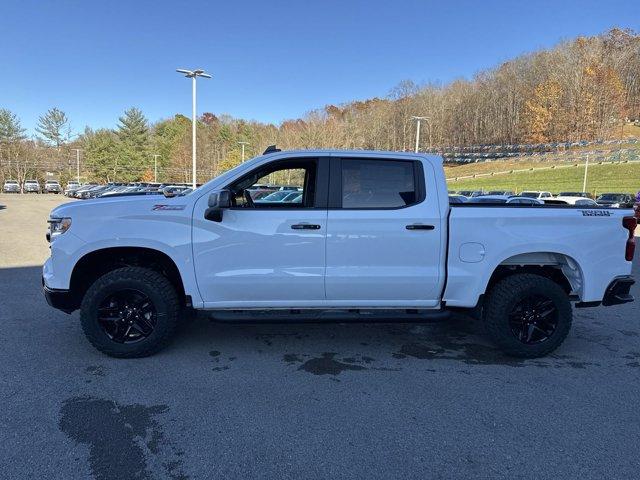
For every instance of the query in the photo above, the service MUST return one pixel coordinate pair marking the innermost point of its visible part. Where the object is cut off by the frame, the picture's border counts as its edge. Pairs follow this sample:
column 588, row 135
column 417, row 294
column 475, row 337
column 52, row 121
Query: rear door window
column 375, row 184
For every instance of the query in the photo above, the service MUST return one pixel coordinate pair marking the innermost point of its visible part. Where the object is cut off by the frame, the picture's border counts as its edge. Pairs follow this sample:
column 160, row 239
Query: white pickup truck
column 364, row 234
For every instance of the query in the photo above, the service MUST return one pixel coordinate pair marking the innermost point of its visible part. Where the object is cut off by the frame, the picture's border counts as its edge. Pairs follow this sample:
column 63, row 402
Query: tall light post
column 418, row 120
column 586, row 169
column 77, row 163
column 155, row 167
column 193, row 74
column 242, row 144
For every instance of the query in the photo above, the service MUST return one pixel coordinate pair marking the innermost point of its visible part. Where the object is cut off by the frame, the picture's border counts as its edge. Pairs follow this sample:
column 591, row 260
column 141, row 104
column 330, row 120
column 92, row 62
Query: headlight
column 57, row 226
column 615, row 205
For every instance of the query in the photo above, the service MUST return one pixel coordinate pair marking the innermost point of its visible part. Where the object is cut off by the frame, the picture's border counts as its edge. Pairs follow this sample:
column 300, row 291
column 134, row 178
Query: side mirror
column 218, row 201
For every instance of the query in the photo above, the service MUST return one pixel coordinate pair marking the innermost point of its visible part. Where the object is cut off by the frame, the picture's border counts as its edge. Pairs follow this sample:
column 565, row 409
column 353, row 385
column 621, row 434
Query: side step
column 331, row 315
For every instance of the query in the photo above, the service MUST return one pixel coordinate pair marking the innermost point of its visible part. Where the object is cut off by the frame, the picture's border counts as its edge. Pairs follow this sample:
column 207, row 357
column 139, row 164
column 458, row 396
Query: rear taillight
column 630, row 223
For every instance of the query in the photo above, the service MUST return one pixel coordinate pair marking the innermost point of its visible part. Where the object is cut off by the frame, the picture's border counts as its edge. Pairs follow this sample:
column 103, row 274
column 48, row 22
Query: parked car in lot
column 513, row 199
column 11, row 186
column 278, row 196
column 616, row 200
column 500, row 192
column 377, row 237
column 31, row 186
column 517, row 200
column 535, row 194
column 577, row 201
column 94, row 192
column 71, row 187
column 173, row 190
column 471, row 193
column 575, row 194
column 52, row 186
column 455, row 198
column 80, row 191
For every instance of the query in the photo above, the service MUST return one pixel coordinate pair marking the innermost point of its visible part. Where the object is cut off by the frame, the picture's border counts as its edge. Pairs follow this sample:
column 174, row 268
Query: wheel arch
column 562, row 268
column 96, row 263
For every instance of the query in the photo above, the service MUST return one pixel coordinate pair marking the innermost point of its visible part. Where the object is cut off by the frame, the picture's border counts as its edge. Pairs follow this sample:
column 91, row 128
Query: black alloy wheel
column 534, row 319
column 127, row 316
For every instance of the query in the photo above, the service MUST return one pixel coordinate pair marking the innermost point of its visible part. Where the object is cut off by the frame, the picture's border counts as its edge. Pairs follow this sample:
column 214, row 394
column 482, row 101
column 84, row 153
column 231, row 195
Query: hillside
column 610, row 177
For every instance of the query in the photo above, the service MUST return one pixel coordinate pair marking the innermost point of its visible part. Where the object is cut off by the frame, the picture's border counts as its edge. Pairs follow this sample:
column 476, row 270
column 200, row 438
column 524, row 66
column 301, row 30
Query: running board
column 331, row 315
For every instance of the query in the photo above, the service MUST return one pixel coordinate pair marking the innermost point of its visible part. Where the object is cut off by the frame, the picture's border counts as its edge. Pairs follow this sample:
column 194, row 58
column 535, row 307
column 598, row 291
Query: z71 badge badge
column 168, row 207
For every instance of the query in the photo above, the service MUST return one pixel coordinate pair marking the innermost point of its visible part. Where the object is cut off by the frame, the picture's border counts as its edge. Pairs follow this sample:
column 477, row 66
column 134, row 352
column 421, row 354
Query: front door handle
column 305, row 226
column 420, row 226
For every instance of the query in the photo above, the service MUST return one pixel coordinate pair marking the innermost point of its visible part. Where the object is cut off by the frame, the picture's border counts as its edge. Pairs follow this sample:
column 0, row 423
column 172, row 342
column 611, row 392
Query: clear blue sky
column 271, row 60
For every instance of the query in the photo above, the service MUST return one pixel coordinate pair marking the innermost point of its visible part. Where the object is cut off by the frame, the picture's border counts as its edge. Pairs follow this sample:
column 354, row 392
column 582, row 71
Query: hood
column 109, row 206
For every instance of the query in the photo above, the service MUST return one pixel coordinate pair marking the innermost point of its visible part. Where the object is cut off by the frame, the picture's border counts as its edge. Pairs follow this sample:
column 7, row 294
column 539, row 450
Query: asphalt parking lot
column 305, row 401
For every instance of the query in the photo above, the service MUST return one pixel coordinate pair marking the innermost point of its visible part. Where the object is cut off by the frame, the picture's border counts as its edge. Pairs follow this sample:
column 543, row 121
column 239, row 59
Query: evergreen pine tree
column 54, row 127
column 133, row 143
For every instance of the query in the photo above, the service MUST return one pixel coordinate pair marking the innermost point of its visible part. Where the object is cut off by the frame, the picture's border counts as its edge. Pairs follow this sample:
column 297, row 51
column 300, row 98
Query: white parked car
column 11, row 186
column 52, row 186
column 376, row 236
column 576, row 201
column 31, row 186
column 535, row 194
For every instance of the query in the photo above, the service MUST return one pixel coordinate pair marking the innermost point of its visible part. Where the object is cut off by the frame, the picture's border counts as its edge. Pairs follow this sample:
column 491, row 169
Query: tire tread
column 503, row 293
column 157, row 282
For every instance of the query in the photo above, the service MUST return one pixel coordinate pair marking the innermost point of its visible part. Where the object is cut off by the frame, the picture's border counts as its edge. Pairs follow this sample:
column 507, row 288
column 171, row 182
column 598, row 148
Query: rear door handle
column 420, row 226
column 305, row 226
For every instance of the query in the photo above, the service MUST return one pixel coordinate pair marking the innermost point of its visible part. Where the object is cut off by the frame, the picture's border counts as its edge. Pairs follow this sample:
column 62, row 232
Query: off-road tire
column 159, row 290
column 505, row 294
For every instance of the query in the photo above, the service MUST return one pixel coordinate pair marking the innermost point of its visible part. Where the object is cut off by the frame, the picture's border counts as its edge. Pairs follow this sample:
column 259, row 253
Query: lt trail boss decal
column 596, row 213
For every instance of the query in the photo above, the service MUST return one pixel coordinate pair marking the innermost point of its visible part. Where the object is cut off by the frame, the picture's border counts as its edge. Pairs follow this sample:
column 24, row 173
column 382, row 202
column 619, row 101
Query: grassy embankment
column 551, row 176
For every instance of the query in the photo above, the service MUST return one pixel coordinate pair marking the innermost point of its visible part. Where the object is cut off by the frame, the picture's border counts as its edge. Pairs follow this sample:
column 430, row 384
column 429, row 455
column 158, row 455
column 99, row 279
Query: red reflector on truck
column 630, row 223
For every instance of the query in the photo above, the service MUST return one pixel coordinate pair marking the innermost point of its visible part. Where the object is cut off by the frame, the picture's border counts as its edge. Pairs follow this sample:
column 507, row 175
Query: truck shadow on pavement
column 334, row 348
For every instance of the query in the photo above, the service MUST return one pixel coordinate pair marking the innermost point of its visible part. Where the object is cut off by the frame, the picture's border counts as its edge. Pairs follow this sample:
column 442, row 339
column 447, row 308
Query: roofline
column 354, row 153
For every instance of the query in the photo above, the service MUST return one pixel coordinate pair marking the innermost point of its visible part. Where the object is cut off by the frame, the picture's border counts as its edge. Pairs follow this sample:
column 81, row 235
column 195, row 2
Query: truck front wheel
column 527, row 315
column 130, row 312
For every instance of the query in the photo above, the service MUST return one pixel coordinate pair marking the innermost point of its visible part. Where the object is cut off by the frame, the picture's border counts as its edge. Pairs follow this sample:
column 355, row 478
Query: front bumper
column 60, row 299
column 618, row 291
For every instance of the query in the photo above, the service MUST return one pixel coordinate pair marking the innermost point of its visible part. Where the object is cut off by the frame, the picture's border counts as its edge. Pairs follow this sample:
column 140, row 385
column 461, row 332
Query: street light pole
column 586, row 168
column 77, row 163
column 155, row 167
column 242, row 144
column 193, row 74
column 418, row 120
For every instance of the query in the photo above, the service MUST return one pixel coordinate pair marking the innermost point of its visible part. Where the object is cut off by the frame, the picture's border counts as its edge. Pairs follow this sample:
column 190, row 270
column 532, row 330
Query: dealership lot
column 305, row 401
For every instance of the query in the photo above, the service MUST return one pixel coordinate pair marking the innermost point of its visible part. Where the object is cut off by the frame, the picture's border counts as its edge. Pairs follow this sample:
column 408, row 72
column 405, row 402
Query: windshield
column 530, row 194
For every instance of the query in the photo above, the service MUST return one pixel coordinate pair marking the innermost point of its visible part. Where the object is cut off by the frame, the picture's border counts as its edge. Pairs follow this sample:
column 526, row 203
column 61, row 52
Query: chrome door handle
column 305, row 226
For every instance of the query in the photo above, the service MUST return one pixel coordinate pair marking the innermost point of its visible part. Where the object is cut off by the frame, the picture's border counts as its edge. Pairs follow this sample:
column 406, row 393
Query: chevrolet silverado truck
column 372, row 236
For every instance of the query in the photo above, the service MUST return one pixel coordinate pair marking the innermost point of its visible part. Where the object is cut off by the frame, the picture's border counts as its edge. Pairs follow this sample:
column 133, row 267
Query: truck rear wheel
column 130, row 312
column 527, row 315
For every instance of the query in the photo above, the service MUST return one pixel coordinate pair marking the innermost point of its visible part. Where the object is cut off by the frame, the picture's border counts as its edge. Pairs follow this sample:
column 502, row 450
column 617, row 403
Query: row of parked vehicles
column 32, row 186
column 260, row 193
column 581, row 199
column 96, row 190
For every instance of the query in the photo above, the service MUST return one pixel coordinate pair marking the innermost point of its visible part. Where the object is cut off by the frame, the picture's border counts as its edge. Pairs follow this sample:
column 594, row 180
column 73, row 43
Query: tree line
column 582, row 89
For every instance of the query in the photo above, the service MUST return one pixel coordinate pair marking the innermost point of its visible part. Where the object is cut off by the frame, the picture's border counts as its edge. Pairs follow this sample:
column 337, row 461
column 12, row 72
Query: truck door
column 384, row 234
column 269, row 248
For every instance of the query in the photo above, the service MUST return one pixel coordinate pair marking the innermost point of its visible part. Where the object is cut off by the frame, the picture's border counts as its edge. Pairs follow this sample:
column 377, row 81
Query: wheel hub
column 127, row 316
column 533, row 319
